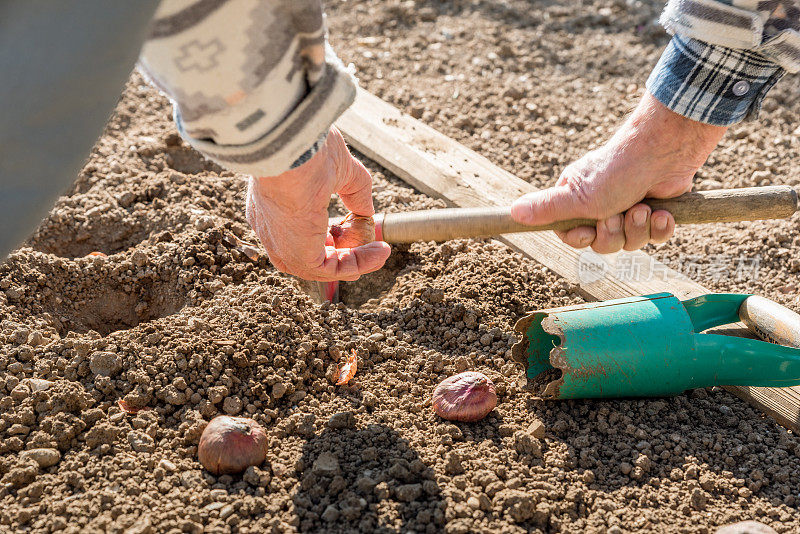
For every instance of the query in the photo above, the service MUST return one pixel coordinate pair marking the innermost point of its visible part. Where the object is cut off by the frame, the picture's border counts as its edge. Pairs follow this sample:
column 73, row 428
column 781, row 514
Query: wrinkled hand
column 289, row 213
column 654, row 154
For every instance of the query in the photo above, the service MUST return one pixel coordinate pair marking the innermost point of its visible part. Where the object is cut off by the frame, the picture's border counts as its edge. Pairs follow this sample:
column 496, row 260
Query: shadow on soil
column 368, row 480
column 374, row 285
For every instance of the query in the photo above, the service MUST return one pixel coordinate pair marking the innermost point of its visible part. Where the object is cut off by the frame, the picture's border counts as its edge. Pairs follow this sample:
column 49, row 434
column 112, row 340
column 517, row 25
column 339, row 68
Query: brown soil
column 176, row 320
column 535, row 86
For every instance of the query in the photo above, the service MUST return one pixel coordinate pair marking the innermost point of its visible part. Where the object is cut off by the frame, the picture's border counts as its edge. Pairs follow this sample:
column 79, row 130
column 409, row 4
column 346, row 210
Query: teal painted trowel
column 654, row 346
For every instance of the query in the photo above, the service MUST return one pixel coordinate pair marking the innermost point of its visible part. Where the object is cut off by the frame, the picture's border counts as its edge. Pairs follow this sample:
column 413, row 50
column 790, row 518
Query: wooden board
column 443, row 168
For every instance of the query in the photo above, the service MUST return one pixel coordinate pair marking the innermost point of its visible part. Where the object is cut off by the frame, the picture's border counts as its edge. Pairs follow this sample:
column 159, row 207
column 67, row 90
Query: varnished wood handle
column 770, row 321
column 724, row 205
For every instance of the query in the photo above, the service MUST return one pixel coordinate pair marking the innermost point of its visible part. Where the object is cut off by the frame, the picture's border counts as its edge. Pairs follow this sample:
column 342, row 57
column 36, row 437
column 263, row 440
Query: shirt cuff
column 287, row 145
column 710, row 83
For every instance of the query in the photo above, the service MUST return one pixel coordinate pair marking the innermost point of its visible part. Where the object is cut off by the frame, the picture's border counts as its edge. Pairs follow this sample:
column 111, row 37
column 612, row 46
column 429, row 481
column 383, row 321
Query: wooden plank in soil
column 443, row 168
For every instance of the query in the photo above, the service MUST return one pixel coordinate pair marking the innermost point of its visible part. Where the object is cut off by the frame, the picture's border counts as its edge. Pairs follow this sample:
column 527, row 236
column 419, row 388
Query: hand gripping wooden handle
column 731, row 205
column 771, row 321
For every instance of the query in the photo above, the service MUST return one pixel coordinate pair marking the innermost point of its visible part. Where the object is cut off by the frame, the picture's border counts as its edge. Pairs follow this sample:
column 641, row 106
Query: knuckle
column 579, row 189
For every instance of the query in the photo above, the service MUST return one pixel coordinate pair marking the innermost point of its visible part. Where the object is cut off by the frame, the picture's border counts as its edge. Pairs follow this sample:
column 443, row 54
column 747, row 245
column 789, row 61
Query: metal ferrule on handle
column 732, row 205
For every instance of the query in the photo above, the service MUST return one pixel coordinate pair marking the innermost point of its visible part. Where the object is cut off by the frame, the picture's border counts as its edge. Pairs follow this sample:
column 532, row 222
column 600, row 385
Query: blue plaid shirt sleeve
column 710, row 83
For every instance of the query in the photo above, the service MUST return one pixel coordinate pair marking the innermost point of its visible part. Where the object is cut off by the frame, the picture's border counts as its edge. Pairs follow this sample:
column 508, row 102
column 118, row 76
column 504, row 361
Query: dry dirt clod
column 256, row 476
column 370, row 400
column 526, row 443
column 167, row 466
column 409, row 492
column 105, row 364
column 44, row 457
column 140, row 442
column 330, row 514
column 326, row 465
column 537, row 429
column 342, row 420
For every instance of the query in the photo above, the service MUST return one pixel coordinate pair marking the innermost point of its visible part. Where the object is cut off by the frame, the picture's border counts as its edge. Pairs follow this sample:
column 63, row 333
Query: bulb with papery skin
column 230, row 445
column 466, row 397
column 353, row 231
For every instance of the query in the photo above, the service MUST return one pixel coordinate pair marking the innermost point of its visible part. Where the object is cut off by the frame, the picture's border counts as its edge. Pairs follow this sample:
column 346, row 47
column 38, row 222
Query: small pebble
column 226, row 511
column 167, row 466
column 37, row 384
column 141, row 442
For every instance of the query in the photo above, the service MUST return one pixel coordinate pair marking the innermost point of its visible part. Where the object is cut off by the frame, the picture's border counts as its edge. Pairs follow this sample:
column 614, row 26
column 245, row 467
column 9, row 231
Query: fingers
column 610, row 235
column 629, row 231
column 346, row 264
column 662, row 226
column 637, row 227
column 579, row 237
column 350, row 263
column 356, row 193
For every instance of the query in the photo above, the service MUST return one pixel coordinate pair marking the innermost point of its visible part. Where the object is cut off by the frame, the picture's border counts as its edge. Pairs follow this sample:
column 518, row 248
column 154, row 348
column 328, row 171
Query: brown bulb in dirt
column 353, row 231
column 230, row 445
column 466, row 397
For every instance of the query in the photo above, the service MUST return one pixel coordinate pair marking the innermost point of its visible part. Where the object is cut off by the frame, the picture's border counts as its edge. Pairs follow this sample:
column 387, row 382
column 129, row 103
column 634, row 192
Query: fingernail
column 614, row 224
column 660, row 222
column 639, row 217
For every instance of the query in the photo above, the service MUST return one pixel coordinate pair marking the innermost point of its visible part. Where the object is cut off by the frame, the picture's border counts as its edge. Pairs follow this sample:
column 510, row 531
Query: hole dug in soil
column 104, row 294
column 374, row 285
column 110, row 309
column 106, row 307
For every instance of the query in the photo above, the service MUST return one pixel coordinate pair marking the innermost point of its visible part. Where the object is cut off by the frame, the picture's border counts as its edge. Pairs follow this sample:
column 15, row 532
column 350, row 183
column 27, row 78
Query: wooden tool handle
column 770, row 321
column 731, row 205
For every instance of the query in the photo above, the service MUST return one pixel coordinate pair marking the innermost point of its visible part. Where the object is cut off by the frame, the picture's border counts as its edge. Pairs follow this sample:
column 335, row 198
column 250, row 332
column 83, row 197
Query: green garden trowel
column 653, row 346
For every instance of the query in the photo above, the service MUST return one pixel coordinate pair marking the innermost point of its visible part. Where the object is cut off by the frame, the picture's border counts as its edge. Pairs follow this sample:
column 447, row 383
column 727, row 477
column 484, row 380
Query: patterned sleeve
column 725, row 56
column 254, row 85
column 710, row 83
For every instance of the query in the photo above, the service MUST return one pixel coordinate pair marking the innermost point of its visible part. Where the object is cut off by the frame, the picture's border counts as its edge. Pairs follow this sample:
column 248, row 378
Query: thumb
column 356, row 188
column 353, row 181
column 557, row 203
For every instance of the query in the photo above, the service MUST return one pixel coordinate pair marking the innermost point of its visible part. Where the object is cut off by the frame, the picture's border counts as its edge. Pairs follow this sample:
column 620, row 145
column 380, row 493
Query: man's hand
column 289, row 213
column 654, row 154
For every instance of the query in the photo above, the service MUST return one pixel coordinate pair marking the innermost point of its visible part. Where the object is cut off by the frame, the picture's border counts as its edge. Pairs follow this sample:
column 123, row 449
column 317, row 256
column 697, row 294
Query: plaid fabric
column 710, row 83
column 768, row 27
